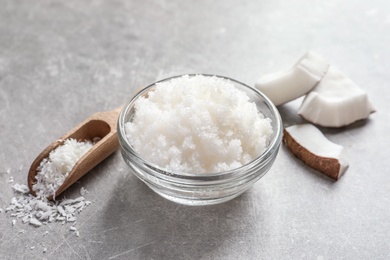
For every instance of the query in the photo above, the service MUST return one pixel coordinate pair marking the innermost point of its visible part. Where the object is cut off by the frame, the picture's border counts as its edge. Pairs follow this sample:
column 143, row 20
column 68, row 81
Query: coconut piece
column 336, row 101
column 295, row 82
column 35, row 222
column 308, row 144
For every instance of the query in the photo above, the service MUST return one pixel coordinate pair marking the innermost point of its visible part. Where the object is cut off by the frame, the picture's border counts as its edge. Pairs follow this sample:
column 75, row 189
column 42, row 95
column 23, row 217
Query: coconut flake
column 21, row 188
column 71, row 201
column 52, row 171
column 10, row 208
column 35, row 222
column 71, row 219
column 61, row 210
column 83, row 191
column 39, row 211
column 46, row 215
column 70, row 209
column 73, row 228
column 26, row 219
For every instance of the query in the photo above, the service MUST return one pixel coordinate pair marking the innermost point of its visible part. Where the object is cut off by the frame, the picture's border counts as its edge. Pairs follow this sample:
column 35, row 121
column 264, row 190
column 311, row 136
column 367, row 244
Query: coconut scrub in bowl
column 199, row 139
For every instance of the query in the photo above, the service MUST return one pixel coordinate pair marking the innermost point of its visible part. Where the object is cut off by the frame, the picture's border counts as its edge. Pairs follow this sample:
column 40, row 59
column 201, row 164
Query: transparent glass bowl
column 202, row 189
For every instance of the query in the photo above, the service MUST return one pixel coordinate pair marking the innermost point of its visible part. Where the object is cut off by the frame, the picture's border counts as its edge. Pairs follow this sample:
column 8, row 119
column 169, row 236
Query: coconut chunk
column 295, row 82
column 336, row 101
column 35, row 222
column 308, row 144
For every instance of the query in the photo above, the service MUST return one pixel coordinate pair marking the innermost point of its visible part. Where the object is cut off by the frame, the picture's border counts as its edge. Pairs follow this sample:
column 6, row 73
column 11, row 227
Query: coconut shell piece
column 308, row 144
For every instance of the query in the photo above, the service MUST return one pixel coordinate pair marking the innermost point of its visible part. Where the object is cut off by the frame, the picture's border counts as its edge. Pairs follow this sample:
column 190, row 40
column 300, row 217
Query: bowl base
column 196, row 201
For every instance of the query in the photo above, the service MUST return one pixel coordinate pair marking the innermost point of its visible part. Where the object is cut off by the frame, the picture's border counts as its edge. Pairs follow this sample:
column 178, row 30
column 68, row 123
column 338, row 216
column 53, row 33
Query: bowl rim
column 273, row 145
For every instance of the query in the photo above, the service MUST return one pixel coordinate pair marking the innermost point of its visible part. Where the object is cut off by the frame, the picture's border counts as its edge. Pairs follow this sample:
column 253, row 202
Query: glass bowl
column 205, row 188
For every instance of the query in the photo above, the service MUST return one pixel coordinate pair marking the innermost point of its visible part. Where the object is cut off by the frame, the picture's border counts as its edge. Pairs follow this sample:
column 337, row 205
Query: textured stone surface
column 61, row 61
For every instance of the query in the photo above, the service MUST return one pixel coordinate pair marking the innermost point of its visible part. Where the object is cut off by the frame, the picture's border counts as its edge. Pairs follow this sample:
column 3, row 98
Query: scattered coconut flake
column 61, row 210
column 26, row 219
column 42, row 206
column 46, row 232
column 38, row 211
column 77, row 233
column 80, row 204
column 11, row 179
column 83, row 191
column 73, row 228
column 1, row 210
column 9, row 171
column 54, row 169
column 21, row 188
column 45, row 215
column 21, row 168
column 35, row 222
column 72, row 201
column 44, row 250
column 70, row 209
column 10, row 208
column 13, row 222
column 22, row 231
column 33, row 247
column 71, row 219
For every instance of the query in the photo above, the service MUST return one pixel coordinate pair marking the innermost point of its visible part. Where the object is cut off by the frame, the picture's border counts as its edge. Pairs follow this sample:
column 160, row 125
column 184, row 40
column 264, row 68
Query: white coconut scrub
column 198, row 124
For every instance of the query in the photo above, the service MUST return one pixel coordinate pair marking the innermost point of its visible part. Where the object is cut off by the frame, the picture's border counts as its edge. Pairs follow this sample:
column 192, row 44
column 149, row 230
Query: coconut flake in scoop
column 54, row 169
column 288, row 85
column 336, row 101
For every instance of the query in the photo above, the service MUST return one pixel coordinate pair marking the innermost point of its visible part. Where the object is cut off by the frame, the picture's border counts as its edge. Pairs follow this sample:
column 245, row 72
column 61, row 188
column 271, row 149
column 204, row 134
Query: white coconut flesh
column 336, row 101
column 284, row 86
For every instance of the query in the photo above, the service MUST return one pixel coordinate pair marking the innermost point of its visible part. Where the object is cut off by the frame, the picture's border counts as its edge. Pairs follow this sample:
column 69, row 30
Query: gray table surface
column 61, row 61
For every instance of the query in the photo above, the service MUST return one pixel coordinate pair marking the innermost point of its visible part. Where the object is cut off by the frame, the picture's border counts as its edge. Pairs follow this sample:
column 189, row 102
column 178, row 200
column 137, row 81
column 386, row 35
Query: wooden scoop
column 101, row 125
